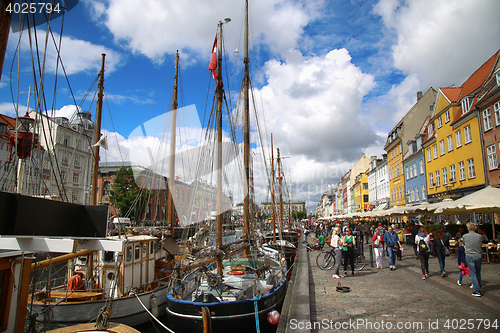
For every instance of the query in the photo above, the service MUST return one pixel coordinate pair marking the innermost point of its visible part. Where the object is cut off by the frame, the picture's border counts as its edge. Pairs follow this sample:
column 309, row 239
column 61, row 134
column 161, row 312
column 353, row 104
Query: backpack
column 422, row 246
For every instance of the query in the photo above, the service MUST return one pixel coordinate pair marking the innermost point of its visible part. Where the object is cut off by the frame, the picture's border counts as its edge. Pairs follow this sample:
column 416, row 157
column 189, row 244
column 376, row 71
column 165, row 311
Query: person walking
column 378, row 247
column 473, row 256
column 414, row 232
column 401, row 237
column 391, row 240
column 349, row 242
column 423, row 248
column 336, row 243
column 440, row 248
column 464, row 270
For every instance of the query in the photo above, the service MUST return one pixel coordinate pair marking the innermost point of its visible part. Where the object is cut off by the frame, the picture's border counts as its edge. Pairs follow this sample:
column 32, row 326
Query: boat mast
column 170, row 207
column 246, row 136
column 218, row 120
column 5, row 19
column 280, row 178
column 97, row 135
column 272, row 190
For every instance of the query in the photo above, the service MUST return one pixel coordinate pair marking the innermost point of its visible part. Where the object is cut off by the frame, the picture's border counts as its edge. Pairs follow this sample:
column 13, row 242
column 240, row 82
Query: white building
column 67, row 168
column 378, row 183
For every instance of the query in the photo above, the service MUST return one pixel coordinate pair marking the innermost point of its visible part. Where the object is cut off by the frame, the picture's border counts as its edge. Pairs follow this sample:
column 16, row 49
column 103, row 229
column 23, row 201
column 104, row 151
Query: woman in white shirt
column 336, row 243
column 378, row 247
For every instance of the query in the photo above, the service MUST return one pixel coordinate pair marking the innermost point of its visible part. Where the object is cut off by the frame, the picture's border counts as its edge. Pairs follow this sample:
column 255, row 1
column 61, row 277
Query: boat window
column 128, row 254
column 151, row 247
column 137, row 252
column 108, row 255
column 111, row 276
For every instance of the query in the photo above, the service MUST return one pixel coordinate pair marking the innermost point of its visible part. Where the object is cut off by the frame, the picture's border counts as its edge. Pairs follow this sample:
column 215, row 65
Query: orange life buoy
column 236, row 272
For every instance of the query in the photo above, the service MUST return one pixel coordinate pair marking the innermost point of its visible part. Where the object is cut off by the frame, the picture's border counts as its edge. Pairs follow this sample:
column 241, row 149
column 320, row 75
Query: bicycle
column 326, row 260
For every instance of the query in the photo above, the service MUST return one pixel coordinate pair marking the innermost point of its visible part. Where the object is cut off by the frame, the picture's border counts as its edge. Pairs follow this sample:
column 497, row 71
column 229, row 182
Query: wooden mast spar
column 246, row 134
column 219, row 146
column 97, row 136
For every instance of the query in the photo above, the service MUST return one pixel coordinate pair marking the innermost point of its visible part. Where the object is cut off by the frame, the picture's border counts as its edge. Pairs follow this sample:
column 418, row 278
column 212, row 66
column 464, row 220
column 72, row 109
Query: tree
column 128, row 198
column 299, row 215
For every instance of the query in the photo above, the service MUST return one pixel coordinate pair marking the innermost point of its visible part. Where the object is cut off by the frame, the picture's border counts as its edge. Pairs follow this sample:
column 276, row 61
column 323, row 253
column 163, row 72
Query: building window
column 76, row 161
column 424, row 192
column 428, row 155
column 458, row 138
column 79, row 144
column 365, row 186
column 421, row 162
column 412, row 195
column 65, row 157
column 487, row 120
column 441, row 147
column 461, row 170
column 492, row 157
column 496, row 107
column 414, row 169
column 467, row 134
column 452, row 174
column 67, row 140
column 470, row 167
column 407, row 173
column 438, row 179
column 435, row 151
column 447, row 116
column 63, row 175
column 431, row 180
column 445, row 176
column 440, row 122
column 416, row 194
column 466, row 103
column 76, row 177
column 430, row 129
column 449, row 139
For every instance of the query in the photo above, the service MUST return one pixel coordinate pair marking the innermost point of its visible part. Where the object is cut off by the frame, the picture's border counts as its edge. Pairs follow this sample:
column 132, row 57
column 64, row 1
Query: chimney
column 419, row 95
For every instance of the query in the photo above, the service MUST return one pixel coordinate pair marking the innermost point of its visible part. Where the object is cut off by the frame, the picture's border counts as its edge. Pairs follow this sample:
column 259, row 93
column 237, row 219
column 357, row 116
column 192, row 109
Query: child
column 461, row 261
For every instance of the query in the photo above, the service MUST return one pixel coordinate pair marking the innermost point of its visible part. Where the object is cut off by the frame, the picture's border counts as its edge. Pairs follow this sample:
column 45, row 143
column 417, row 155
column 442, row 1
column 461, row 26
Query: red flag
column 212, row 66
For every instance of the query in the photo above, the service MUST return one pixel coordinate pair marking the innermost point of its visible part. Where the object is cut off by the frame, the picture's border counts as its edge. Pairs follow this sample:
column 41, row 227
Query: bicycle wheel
column 325, row 260
column 359, row 262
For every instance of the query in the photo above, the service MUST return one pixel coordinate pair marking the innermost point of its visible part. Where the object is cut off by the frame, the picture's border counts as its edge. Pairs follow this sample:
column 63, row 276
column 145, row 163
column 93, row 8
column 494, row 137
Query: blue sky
column 332, row 77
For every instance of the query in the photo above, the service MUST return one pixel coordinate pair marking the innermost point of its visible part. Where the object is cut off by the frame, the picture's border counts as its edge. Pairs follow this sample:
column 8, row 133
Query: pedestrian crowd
column 346, row 238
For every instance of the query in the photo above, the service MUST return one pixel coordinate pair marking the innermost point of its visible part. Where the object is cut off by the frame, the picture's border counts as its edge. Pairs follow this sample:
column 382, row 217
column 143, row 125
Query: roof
column 479, row 76
column 451, row 93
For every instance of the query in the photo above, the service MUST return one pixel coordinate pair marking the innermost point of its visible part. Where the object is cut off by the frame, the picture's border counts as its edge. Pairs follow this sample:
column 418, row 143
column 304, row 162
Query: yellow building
column 361, row 201
column 454, row 159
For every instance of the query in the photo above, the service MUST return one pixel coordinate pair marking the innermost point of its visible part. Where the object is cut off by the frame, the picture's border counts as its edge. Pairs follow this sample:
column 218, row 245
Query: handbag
column 446, row 250
column 396, row 247
column 376, row 242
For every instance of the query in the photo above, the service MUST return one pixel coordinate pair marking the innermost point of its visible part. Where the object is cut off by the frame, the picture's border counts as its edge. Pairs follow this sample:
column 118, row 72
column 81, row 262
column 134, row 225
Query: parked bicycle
column 326, row 260
column 311, row 247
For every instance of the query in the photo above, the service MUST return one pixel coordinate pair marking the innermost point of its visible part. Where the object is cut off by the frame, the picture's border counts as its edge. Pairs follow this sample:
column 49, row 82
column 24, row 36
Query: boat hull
column 125, row 310
column 185, row 316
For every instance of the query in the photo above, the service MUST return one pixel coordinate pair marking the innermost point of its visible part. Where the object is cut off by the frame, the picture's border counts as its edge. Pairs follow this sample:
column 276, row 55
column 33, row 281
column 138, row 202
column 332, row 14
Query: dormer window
column 498, row 79
column 430, row 128
column 466, row 104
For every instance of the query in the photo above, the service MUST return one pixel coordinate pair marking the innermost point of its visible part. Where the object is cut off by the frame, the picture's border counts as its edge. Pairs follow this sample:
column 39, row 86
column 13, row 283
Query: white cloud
column 155, row 28
column 77, row 55
column 7, row 109
column 441, row 41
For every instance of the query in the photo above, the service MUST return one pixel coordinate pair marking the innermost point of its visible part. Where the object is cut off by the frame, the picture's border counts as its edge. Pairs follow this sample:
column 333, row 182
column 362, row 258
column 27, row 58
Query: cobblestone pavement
column 382, row 300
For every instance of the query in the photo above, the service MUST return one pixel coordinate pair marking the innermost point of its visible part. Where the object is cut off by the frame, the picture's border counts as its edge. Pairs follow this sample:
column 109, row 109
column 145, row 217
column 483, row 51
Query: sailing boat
column 220, row 291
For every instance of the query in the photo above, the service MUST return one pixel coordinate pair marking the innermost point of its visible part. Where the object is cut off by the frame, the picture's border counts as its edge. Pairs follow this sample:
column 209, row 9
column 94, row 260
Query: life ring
column 236, row 272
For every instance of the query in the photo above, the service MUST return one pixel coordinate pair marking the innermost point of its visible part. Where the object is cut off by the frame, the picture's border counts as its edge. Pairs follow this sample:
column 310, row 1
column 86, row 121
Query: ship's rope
column 146, row 309
column 256, row 307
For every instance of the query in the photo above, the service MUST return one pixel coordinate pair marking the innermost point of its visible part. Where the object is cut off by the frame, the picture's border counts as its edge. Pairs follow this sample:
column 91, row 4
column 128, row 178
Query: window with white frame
column 447, row 116
column 458, row 138
column 492, row 157
column 407, row 173
column 461, row 170
column 440, row 122
column 76, row 161
column 449, row 140
column 63, row 175
column 467, row 134
column 65, row 157
column 445, row 176
column 416, row 193
column 415, row 169
column 429, row 157
column 67, row 140
column 412, row 195
column 435, row 151
column 496, row 108
column 438, row 179
column 424, row 193
column 430, row 128
column 487, row 120
column 421, row 162
column 471, row 169
column 76, row 177
column 466, row 104
column 79, row 144
column 441, row 147
column 452, row 174
column 431, row 180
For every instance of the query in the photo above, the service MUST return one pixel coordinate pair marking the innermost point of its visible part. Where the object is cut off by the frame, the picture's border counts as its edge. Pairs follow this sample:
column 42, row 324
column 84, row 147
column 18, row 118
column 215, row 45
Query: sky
column 330, row 78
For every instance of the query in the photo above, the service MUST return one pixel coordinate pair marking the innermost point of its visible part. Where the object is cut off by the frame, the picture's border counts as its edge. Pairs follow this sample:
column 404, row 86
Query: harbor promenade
column 382, row 300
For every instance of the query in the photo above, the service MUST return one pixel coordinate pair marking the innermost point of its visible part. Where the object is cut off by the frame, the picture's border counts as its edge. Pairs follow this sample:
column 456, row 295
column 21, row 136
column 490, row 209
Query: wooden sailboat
column 220, row 291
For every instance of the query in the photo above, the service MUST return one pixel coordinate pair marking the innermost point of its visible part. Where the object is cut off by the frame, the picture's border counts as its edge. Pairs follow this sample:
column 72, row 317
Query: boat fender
column 154, row 305
column 236, row 272
column 273, row 317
